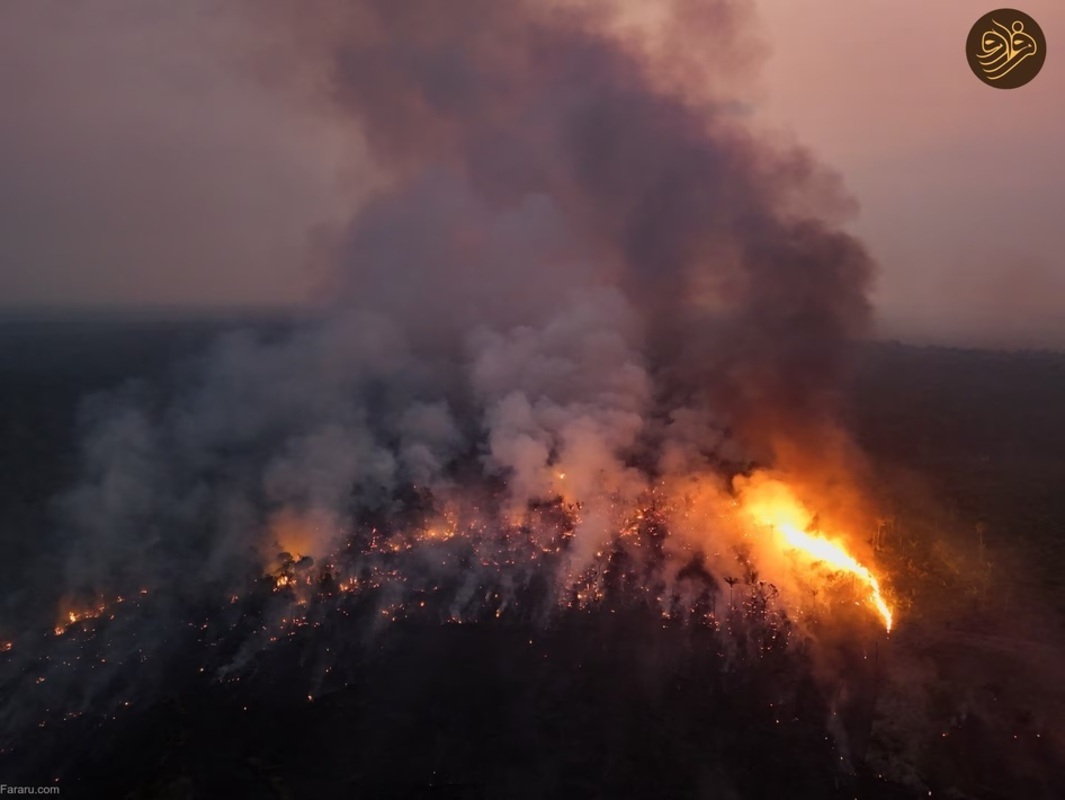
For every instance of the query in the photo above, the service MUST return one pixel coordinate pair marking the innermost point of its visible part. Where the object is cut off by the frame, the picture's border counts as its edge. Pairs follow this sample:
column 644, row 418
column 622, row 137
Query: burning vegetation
column 575, row 400
column 464, row 557
column 732, row 607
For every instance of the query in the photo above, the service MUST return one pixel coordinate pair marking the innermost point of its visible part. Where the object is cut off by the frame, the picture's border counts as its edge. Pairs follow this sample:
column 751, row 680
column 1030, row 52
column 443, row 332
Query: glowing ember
column 73, row 617
column 103, row 608
column 456, row 538
column 772, row 504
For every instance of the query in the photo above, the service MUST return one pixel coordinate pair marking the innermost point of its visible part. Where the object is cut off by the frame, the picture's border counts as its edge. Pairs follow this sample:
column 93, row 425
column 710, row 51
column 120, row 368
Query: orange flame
column 823, row 550
column 773, row 505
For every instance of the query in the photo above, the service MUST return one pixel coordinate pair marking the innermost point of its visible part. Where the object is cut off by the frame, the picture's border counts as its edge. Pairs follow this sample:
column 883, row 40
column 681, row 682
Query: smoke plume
column 581, row 276
column 534, row 148
column 576, row 241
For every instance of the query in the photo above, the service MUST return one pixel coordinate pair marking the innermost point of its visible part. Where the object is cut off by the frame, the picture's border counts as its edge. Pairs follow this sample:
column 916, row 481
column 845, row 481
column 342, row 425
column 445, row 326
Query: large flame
column 772, row 504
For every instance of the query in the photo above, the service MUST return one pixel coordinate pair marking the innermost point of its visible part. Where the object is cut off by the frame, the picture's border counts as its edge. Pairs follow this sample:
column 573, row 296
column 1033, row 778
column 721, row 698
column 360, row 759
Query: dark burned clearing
column 612, row 702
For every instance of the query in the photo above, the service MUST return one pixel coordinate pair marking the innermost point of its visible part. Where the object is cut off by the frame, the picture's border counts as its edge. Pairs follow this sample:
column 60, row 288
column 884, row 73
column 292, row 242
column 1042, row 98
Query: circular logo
column 1006, row 48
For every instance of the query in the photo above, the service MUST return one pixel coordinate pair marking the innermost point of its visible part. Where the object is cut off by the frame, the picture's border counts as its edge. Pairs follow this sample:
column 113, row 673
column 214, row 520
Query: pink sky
column 960, row 186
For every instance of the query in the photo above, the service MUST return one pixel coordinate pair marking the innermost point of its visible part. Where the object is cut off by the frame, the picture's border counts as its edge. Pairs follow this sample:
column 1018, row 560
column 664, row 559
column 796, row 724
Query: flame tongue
column 772, row 504
column 823, row 550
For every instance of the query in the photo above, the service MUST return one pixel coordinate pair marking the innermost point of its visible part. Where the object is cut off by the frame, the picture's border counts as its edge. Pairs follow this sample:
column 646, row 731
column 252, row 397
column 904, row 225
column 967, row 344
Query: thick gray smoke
column 579, row 260
column 581, row 277
column 536, row 147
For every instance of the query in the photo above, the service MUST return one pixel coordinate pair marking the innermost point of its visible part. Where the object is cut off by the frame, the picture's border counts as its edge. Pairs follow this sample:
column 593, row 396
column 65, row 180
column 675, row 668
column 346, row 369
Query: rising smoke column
column 610, row 152
column 580, row 271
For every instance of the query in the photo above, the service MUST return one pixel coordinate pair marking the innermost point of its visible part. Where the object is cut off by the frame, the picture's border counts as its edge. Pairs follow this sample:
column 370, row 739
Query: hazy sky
column 141, row 162
column 961, row 186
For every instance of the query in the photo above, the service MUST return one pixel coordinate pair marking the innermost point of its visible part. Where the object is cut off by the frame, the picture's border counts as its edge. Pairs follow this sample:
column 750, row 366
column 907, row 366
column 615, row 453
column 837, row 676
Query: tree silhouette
column 731, row 582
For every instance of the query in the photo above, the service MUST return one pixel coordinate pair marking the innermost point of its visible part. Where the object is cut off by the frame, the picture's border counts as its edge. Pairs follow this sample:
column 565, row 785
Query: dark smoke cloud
column 534, row 147
column 581, row 273
column 579, row 264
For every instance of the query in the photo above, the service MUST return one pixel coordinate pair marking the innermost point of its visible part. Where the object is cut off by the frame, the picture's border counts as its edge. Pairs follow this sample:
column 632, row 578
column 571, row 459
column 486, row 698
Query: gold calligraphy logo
column 1006, row 48
column 1002, row 49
